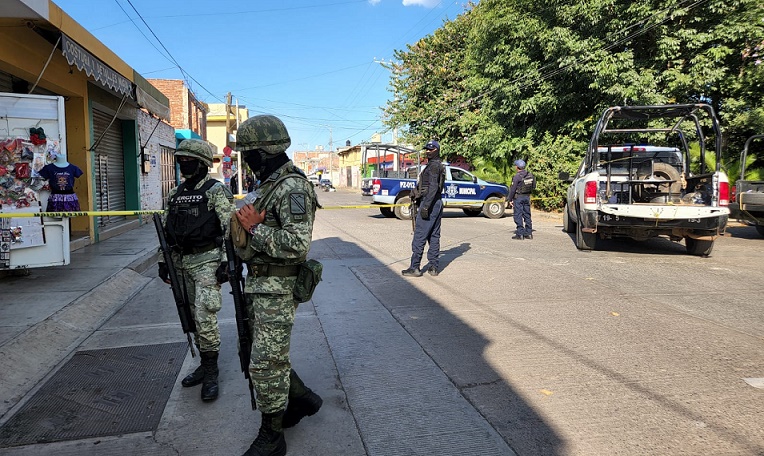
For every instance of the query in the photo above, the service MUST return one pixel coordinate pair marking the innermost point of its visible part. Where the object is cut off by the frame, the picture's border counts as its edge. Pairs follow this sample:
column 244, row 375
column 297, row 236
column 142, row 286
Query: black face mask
column 188, row 167
column 253, row 159
column 432, row 153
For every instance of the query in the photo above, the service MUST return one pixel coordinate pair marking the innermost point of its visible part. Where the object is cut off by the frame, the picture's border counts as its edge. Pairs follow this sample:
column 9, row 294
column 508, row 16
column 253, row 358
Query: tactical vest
column 272, row 218
column 422, row 189
column 527, row 185
column 190, row 223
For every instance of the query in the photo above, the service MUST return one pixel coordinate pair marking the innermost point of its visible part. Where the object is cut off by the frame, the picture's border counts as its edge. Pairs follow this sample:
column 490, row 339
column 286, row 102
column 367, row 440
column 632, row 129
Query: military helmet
column 195, row 148
column 265, row 132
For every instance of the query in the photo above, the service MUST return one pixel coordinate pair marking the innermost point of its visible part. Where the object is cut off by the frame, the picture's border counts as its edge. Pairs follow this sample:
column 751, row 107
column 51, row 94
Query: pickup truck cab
column 748, row 202
column 462, row 190
column 638, row 191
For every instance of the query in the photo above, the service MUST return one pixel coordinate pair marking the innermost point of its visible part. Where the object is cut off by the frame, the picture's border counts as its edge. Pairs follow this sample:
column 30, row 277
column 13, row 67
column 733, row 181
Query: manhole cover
column 99, row 393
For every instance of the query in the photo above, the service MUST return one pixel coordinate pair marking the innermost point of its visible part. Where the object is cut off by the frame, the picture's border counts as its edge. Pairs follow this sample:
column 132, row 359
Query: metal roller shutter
column 5, row 82
column 109, row 167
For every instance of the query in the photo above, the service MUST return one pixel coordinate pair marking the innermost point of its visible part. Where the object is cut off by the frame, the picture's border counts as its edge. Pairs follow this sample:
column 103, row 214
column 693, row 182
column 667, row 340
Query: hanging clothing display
column 61, row 180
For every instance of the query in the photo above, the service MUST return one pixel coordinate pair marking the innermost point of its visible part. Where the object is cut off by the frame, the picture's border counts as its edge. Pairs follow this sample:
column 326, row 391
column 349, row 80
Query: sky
column 313, row 63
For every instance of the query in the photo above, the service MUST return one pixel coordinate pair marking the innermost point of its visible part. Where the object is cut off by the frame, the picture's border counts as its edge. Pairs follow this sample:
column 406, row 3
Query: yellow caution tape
column 149, row 212
column 75, row 214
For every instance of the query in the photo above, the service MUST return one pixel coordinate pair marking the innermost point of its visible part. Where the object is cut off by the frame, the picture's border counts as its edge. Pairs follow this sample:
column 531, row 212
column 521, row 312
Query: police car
column 462, row 190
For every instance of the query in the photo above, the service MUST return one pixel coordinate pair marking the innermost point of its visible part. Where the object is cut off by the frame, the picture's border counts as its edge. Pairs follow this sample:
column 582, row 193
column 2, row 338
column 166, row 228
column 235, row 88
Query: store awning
column 93, row 67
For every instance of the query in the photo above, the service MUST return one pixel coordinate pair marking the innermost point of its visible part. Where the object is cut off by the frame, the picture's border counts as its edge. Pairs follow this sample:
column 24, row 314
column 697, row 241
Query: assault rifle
column 181, row 303
column 242, row 316
column 413, row 207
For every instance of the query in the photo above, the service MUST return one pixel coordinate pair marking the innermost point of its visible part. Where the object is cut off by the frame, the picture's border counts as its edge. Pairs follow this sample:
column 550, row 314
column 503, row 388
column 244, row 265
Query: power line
column 183, row 72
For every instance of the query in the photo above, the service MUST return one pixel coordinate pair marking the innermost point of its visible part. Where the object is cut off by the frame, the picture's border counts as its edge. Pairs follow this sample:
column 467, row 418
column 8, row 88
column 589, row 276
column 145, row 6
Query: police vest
column 190, row 223
column 527, row 185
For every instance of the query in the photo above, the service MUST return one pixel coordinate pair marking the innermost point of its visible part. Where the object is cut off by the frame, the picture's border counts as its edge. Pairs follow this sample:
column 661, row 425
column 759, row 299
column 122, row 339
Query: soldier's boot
column 270, row 440
column 302, row 401
column 210, row 380
column 195, row 377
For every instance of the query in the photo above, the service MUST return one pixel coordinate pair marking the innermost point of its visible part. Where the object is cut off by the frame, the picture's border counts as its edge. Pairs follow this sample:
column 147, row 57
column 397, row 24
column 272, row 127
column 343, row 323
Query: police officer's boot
column 270, row 440
column 302, row 401
column 210, row 380
column 195, row 377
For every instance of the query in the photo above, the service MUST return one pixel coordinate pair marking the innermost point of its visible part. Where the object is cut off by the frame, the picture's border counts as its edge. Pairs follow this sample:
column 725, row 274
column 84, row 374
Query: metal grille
column 98, row 393
column 167, row 165
column 110, row 167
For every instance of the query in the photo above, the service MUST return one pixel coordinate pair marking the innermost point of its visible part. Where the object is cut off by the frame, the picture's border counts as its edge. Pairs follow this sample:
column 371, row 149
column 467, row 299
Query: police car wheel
column 403, row 210
column 493, row 208
column 472, row 212
column 387, row 212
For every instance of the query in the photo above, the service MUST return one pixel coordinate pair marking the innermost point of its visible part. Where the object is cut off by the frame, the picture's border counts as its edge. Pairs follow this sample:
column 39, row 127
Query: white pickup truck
column 646, row 188
column 748, row 200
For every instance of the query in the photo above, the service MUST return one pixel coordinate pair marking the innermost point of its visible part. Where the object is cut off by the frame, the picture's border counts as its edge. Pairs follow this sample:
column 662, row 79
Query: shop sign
column 87, row 62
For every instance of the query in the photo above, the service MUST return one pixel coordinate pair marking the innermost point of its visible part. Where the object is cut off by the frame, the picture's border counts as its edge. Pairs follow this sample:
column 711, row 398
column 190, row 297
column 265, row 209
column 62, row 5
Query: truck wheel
column 760, row 229
column 472, row 212
column 567, row 225
column 387, row 212
column 403, row 212
column 493, row 208
column 696, row 247
column 584, row 240
column 662, row 171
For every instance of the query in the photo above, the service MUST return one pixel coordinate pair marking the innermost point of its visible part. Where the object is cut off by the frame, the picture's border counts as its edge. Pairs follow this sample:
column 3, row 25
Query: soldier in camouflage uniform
column 280, row 227
column 197, row 217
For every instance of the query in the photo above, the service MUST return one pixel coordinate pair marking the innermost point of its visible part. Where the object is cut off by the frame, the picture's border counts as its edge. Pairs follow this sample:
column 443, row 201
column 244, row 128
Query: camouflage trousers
column 271, row 318
column 205, row 299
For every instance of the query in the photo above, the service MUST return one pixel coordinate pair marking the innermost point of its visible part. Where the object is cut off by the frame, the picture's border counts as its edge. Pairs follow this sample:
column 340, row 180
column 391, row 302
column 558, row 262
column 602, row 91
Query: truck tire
column 584, row 240
column 472, row 212
column 697, row 247
column 403, row 212
column 663, row 171
column 494, row 208
column 387, row 212
column 567, row 225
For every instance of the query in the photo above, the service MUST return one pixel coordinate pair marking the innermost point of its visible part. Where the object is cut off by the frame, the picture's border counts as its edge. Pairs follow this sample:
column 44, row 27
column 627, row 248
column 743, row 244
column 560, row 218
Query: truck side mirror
column 474, row 179
column 565, row 177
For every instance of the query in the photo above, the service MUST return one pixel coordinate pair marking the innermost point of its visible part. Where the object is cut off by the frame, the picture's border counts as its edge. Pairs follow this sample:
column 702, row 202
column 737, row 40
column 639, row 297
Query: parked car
column 462, row 190
column 313, row 178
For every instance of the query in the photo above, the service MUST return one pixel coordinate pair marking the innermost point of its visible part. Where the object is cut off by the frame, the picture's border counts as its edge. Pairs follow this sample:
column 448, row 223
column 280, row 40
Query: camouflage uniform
column 195, row 231
column 282, row 240
column 197, row 270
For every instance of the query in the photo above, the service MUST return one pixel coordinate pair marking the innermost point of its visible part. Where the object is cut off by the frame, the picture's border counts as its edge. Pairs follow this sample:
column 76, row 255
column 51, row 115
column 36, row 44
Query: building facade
column 44, row 51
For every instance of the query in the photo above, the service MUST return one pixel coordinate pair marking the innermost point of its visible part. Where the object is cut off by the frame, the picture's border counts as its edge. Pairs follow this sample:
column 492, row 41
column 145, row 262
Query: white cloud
column 425, row 3
column 374, row 2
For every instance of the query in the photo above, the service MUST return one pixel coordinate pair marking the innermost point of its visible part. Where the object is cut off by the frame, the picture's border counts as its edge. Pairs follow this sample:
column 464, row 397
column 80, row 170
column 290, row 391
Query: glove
column 221, row 273
column 425, row 213
column 164, row 272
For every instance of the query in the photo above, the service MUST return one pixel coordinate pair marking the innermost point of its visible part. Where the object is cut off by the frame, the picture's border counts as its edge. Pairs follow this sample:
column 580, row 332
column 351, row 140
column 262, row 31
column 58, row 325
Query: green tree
column 525, row 79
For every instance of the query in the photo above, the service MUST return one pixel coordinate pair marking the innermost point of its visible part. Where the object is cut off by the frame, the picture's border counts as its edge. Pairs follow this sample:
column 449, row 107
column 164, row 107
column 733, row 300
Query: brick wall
column 151, row 182
column 176, row 92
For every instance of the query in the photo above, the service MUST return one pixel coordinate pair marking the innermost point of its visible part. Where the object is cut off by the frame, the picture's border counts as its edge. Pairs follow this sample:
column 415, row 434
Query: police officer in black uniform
column 428, row 195
column 523, row 184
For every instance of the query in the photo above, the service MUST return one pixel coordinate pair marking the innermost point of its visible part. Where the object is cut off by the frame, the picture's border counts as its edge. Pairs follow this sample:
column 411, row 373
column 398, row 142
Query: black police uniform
column 520, row 195
column 429, row 216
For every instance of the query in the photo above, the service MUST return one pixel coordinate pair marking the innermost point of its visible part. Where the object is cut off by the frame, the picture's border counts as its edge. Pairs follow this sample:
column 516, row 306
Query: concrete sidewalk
column 50, row 312
column 345, row 345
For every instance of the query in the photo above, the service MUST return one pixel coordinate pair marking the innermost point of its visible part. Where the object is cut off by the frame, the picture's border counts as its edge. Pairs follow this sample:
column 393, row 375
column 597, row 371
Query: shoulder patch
column 298, row 203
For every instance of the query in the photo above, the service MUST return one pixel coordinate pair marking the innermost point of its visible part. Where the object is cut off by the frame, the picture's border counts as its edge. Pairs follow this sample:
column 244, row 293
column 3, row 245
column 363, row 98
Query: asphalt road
column 636, row 348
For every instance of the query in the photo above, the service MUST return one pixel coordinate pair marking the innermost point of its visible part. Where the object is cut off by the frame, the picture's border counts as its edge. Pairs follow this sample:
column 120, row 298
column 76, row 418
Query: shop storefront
column 106, row 105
